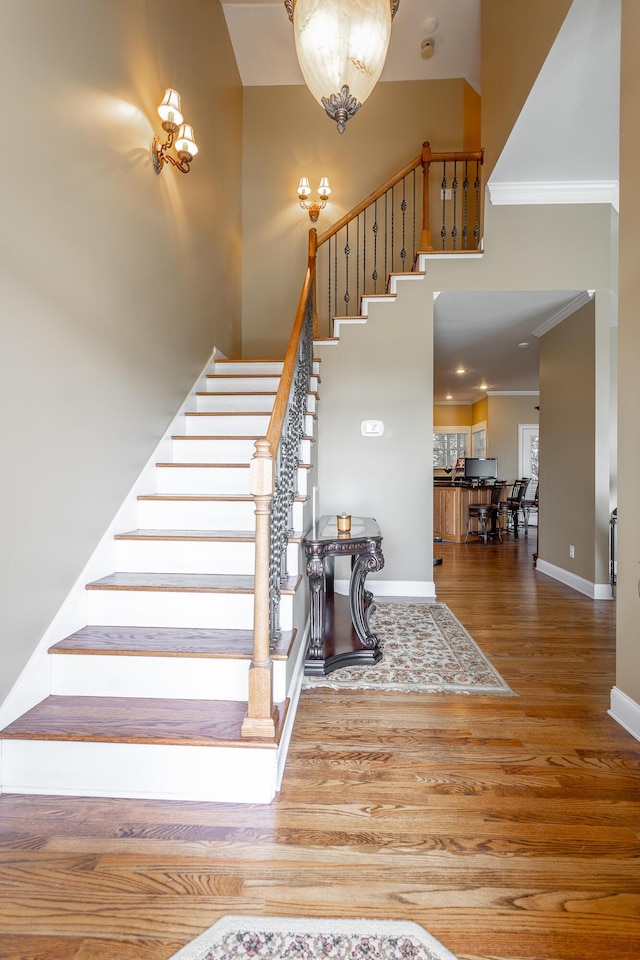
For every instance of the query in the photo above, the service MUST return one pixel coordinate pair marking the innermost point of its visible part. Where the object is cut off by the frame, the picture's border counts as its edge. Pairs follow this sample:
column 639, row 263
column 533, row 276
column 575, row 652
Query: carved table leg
column 359, row 598
column 315, row 572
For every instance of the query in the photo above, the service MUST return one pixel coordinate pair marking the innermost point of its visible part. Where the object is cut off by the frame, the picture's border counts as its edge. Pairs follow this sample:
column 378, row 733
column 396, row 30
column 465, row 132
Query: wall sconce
column 304, row 190
column 185, row 145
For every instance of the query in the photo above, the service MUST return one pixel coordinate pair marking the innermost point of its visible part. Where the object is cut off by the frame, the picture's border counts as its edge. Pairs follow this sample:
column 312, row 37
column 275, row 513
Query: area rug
column 425, row 649
column 286, row 938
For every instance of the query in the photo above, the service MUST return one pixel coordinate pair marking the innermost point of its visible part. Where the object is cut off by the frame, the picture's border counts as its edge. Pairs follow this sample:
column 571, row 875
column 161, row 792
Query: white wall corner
column 625, row 711
column 595, row 591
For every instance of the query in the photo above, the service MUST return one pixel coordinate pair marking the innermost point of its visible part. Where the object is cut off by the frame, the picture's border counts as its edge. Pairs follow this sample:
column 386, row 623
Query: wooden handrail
column 380, row 192
column 425, row 158
column 262, row 717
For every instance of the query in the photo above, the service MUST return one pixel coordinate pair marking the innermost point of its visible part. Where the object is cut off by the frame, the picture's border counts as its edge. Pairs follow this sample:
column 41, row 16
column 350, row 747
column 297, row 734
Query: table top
column 325, row 530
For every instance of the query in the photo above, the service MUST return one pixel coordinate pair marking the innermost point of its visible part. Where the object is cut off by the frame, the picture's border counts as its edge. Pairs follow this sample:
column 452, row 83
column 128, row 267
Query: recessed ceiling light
column 448, row 397
column 461, row 370
column 483, row 386
column 523, row 345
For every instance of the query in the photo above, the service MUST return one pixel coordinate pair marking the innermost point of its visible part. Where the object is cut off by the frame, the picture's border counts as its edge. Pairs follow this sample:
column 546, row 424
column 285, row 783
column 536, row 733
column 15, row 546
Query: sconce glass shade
column 341, row 47
column 169, row 109
column 185, row 142
column 324, row 189
column 303, row 187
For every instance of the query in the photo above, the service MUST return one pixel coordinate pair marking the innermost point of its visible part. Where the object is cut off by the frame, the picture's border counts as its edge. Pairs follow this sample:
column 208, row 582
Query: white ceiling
column 568, row 131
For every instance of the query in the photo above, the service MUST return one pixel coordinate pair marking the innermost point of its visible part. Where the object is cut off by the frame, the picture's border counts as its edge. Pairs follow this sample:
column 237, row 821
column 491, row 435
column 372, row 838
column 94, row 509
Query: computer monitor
column 480, row 468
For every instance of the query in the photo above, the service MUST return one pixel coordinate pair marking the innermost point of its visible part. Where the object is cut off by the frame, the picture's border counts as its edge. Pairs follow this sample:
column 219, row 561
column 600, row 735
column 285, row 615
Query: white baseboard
column 425, row 589
column 625, row 711
column 595, row 591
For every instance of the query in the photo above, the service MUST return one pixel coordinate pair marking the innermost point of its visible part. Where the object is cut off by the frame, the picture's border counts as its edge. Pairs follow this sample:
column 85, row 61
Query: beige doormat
column 425, row 649
column 291, row 938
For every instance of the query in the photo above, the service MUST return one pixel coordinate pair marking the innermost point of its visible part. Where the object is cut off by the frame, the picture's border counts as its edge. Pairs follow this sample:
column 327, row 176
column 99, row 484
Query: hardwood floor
column 508, row 826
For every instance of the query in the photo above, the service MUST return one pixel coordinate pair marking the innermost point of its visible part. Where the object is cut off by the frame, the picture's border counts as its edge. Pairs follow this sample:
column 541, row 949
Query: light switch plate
column 372, row 428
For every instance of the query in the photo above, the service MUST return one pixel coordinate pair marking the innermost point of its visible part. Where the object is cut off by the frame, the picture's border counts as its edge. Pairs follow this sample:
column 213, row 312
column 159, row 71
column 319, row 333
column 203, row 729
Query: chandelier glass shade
column 341, row 47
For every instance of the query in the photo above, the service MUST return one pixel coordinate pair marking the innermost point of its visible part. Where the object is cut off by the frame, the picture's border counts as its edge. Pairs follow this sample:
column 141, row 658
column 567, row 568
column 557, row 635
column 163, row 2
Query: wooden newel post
column 262, row 714
column 425, row 233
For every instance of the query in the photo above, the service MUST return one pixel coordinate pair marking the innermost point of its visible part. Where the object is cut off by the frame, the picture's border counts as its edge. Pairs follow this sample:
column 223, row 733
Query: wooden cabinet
column 450, row 509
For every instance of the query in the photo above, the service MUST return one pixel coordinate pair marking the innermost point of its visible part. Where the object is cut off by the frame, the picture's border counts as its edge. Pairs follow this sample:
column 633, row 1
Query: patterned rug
column 425, row 649
column 290, row 938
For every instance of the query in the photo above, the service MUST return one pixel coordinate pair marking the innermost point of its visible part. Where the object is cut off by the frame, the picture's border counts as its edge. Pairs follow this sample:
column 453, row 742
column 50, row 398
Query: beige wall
column 573, row 361
column 390, row 477
column 516, row 38
column 628, row 602
column 505, row 415
column 287, row 135
column 116, row 284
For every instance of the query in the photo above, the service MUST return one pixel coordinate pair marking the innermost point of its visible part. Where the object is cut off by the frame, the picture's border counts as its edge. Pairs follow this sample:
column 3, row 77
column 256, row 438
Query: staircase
column 147, row 700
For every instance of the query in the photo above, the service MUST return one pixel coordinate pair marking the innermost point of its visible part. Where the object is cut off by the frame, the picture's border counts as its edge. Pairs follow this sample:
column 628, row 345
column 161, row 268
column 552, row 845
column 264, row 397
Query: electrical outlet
column 572, row 551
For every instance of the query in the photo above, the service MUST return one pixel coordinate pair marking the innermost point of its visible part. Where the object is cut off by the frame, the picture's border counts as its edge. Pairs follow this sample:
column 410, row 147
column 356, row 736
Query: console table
column 340, row 634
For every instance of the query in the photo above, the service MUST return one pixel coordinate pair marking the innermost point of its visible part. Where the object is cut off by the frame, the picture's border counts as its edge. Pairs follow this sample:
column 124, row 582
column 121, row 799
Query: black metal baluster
column 364, row 250
column 347, row 251
column 357, row 263
column 465, row 187
column 329, row 286
column 393, row 232
column 413, row 228
column 403, row 207
column 335, row 274
column 476, row 186
column 374, row 275
column 443, row 190
column 386, row 232
column 454, row 187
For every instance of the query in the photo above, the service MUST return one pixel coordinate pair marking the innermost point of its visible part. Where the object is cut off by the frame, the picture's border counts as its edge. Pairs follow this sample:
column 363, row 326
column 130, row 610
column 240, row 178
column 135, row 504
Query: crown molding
column 513, row 393
column 580, row 301
column 555, row 191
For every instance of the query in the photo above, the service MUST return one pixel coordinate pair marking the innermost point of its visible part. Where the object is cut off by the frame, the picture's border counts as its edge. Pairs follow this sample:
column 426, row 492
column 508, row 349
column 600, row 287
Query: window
column 479, row 439
column 449, row 443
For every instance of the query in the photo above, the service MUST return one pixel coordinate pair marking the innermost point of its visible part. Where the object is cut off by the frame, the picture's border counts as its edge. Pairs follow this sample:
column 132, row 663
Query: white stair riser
column 233, row 402
column 203, row 480
column 246, row 367
column 219, row 425
column 189, row 556
column 212, row 481
column 156, row 608
column 130, row 770
column 183, row 678
column 224, row 450
column 206, row 515
column 219, row 383
column 213, row 451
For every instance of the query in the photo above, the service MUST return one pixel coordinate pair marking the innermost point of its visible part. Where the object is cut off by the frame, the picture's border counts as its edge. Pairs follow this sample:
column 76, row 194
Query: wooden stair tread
column 243, row 376
column 198, row 436
column 225, row 413
column 184, row 582
column 220, row 497
column 222, row 536
column 218, row 536
column 222, row 466
column 237, row 393
column 167, row 642
column 138, row 720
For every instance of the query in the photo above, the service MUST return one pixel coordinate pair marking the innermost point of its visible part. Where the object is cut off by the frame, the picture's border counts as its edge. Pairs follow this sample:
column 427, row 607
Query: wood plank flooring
column 508, row 826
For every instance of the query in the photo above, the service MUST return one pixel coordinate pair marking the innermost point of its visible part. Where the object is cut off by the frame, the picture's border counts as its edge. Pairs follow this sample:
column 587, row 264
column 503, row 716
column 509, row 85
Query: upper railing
column 381, row 235
column 384, row 233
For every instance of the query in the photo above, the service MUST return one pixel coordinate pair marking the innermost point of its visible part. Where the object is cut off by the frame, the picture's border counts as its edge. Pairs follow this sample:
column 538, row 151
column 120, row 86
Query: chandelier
column 341, row 47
